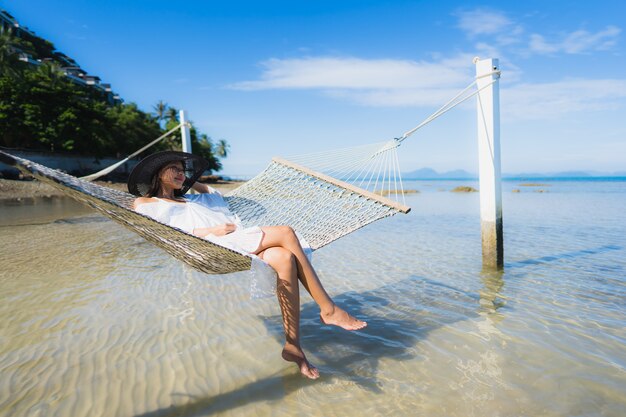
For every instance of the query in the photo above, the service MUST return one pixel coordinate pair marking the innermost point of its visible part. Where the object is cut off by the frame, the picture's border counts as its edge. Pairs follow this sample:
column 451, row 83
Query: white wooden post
column 184, row 132
column 488, row 109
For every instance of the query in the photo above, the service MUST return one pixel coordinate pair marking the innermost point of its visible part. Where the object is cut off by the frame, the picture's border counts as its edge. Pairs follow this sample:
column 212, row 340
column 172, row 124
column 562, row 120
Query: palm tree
column 160, row 110
column 222, row 148
column 10, row 47
column 172, row 114
column 206, row 142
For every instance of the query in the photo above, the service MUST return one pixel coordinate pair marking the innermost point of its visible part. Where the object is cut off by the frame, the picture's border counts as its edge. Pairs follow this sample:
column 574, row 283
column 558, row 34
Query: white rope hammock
column 320, row 208
column 323, row 196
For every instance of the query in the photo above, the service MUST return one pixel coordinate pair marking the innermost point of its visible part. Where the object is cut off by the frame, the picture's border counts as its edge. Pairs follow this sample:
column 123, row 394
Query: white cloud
column 483, row 22
column 356, row 74
column 407, row 97
column 495, row 29
column 576, row 42
column 542, row 101
column 376, row 82
column 406, row 83
column 551, row 100
column 538, row 44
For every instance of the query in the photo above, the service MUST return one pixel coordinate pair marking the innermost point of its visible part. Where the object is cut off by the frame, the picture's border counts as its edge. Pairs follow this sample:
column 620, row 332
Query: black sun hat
column 140, row 179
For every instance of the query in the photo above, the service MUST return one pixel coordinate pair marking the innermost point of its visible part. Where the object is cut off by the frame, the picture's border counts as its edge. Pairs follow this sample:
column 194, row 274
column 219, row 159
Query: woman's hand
column 221, row 230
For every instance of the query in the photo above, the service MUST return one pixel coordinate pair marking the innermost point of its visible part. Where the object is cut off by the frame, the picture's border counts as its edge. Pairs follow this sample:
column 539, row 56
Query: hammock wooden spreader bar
column 320, row 208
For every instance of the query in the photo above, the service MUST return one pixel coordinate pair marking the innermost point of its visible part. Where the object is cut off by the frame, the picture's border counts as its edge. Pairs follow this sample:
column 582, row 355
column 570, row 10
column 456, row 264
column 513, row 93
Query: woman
column 160, row 182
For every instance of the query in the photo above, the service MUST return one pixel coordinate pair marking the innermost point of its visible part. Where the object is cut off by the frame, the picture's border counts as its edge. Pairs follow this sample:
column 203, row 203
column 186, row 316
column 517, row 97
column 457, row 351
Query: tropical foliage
column 42, row 109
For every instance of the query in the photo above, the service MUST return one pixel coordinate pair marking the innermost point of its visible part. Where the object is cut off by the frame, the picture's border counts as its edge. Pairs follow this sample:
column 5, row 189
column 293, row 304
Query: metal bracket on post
column 184, row 132
column 488, row 109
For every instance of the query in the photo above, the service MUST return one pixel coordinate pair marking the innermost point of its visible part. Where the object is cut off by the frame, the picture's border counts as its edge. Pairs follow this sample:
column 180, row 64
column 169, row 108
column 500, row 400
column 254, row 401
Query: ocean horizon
column 504, row 177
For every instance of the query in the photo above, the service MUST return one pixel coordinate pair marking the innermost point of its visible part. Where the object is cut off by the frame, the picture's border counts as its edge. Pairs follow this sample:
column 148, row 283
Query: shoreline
column 18, row 190
column 21, row 191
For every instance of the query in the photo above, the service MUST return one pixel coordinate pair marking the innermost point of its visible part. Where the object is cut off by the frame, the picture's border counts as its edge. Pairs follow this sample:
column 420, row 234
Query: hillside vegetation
column 42, row 108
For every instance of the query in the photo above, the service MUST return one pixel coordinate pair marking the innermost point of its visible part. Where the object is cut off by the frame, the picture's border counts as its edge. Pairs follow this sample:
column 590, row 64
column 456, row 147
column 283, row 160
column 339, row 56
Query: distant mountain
column 565, row 174
column 429, row 174
column 420, row 173
column 459, row 174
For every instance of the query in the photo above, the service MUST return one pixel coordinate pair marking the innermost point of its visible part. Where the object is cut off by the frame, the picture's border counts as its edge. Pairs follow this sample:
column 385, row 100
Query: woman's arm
column 202, row 188
column 221, row 230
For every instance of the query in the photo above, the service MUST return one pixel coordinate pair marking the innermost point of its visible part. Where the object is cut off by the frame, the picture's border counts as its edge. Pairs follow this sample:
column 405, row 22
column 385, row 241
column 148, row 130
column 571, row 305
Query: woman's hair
column 155, row 183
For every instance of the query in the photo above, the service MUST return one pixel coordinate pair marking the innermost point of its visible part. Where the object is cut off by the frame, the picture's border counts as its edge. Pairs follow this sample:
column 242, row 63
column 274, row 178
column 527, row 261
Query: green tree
column 172, row 115
column 61, row 116
column 131, row 128
column 203, row 146
column 13, row 132
column 160, row 110
column 10, row 47
column 41, row 108
column 223, row 148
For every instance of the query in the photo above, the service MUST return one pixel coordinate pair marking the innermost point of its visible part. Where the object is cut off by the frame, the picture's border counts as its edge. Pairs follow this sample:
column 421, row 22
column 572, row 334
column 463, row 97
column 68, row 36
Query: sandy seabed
column 95, row 321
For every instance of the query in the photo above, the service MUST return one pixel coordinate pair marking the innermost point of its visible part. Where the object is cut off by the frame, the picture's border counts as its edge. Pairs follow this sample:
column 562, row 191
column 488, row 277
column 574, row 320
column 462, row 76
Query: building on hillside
column 46, row 53
column 7, row 21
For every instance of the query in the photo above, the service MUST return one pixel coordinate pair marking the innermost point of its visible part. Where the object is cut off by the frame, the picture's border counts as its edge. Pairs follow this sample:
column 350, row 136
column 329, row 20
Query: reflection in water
column 39, row 210
column 490, row 294
column 564, row 256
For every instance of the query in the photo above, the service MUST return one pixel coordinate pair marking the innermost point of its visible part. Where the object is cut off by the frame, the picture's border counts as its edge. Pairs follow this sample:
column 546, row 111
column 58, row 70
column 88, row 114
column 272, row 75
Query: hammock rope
column 375, row 167
column 320, row 208
column 111, row 168
column 452, row 103
column 323, row 196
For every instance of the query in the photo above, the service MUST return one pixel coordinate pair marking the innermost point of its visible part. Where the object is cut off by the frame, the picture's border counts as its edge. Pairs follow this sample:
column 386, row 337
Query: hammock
column 321, row 208
column 303, row 193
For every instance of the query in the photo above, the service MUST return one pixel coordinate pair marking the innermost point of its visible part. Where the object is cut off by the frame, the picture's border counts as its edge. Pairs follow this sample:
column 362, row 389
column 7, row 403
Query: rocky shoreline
column 17, row 190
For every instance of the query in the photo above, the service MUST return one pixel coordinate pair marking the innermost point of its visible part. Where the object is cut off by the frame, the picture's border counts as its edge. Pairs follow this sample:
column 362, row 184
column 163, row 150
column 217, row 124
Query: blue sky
column 284, row 78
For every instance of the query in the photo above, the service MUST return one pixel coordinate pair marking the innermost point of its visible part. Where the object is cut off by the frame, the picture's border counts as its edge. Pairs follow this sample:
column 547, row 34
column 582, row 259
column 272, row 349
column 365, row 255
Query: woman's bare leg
column 288, row 294
column 284, row 237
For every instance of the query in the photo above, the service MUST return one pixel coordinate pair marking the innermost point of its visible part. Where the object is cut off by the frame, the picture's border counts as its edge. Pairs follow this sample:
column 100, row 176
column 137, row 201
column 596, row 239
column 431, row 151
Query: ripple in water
column 98, row 322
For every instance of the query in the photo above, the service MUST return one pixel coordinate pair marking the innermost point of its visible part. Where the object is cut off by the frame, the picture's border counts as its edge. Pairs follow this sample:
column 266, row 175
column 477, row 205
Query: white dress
column 205, row 210
column 210, row 210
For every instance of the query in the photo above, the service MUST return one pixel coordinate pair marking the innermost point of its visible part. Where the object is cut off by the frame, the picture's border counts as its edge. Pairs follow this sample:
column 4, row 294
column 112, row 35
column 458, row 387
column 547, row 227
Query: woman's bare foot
column 292, row 353
column 339, row 317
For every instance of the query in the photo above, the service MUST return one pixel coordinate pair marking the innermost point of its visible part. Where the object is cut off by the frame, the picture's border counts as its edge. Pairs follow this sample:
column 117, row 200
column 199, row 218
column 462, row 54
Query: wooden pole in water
column 184, row 132
column 488, row 109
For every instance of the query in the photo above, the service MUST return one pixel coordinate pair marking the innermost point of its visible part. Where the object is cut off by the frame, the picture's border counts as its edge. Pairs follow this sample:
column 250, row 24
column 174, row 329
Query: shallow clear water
column 96, row 321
